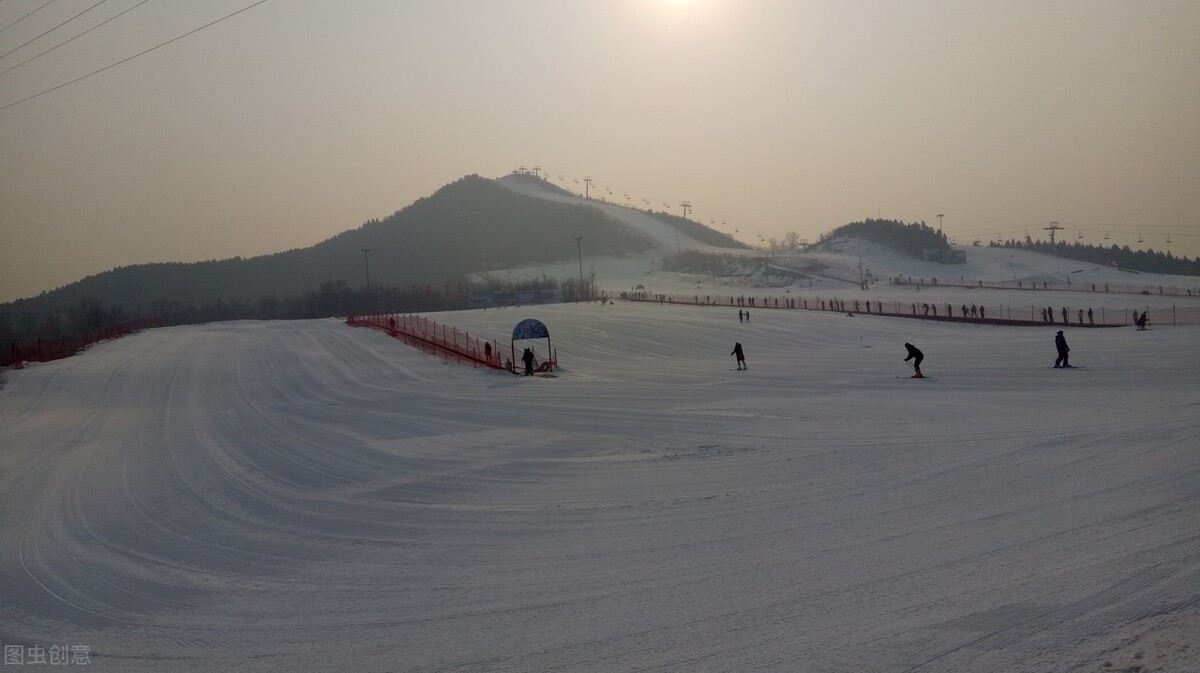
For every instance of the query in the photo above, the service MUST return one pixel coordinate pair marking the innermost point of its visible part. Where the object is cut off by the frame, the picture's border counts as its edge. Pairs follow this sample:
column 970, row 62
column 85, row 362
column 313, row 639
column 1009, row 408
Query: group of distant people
column 1048, row 316
column 916, row 356
column 973, row 312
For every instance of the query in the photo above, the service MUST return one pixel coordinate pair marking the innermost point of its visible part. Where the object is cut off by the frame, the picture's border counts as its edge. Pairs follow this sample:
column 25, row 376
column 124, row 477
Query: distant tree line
column 20, row 323
column 911, row 239
column 1135, row 260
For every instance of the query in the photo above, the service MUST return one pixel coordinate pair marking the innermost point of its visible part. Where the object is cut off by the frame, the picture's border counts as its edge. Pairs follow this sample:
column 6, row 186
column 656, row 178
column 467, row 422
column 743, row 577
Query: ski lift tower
column 1052, row 228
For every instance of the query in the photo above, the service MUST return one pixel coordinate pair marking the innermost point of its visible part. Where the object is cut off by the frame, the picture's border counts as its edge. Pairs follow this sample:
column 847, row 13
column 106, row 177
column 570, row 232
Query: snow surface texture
column 307, row 496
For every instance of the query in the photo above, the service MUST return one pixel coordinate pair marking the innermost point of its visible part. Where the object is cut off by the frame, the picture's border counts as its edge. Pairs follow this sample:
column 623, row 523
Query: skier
column 916, row 355
column 740, row 319
column 527, row 358
column 741, row 357
column 1091, row 319
column 1060, row 342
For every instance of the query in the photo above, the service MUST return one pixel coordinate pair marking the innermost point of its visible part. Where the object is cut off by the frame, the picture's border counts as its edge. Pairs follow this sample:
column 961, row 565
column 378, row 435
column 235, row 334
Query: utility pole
column 587, row 188
column 579, row 244
column 1052, row 228
column 367, row 264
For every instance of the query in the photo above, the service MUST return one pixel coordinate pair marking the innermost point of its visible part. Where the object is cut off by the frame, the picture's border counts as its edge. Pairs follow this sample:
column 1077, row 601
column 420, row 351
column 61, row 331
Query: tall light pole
column 367, row 264
column 579, row 244
column 939, row 223
column 587, row 188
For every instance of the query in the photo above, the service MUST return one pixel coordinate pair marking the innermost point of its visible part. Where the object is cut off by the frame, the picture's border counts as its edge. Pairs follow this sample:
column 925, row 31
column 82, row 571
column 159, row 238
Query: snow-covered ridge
column 841, row 258
column 665, row 237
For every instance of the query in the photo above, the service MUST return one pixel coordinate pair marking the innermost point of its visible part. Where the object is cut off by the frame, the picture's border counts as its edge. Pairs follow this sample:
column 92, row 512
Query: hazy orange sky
column 298, row 119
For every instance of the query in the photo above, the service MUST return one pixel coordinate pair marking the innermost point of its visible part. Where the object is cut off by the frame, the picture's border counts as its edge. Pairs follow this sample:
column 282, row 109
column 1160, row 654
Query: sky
column 292, row 121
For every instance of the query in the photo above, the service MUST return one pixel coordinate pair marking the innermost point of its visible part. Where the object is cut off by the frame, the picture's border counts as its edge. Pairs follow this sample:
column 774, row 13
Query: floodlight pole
column 579, row 244
column 367, row 264
column 587, row 188
column 940, row 222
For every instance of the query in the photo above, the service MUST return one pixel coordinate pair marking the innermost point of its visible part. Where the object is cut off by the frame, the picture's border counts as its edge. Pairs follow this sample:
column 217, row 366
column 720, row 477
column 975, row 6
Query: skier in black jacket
column 1060, row 342
column 916, row 355
column 741, row 357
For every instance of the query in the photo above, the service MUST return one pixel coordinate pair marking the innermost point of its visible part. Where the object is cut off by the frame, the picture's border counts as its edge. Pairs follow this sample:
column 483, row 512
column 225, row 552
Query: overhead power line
column 101, row 2
column 62, row 44
column 130, row 58
column 26, row 16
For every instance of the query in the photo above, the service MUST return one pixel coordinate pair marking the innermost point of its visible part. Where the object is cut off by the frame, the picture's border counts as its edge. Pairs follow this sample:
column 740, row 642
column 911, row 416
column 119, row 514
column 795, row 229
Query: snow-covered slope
column 306, row 496
column 837, row 262
column 665, row 237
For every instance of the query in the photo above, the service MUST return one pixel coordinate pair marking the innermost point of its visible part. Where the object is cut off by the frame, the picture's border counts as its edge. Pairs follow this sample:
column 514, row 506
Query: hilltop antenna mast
column 1052, row 228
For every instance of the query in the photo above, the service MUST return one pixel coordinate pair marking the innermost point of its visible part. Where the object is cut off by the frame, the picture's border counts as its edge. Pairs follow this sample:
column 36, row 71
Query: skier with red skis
column 916, row 355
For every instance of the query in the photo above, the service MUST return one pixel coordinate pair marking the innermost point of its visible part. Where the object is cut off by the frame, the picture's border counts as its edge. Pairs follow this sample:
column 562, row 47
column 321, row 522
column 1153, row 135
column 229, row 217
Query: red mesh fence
column 442, row 340
column 1010, row 314
column 1147, row 288
column 57, row 348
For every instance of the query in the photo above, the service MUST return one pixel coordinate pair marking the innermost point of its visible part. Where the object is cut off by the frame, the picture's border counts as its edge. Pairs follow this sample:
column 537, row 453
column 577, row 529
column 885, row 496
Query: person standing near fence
column 527, row 358
column 1060, row 343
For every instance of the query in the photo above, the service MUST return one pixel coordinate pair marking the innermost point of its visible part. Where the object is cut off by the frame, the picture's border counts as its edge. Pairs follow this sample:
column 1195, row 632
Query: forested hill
column 1124, row 257
column 911, row 239
column 469, row 225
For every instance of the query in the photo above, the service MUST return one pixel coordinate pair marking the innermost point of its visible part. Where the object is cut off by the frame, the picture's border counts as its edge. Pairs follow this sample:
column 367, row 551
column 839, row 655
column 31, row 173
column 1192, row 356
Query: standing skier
column 1060, row 342
column 916, row 356
column 741, row 357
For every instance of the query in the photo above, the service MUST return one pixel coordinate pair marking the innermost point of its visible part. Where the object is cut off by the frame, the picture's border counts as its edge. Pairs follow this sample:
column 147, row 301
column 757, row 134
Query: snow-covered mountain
column 835, row 264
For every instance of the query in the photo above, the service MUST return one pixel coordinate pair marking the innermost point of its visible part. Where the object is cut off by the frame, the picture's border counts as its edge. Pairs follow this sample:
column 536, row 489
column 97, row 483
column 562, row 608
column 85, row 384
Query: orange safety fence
column 47, row 349
column 439, row 339
column 1000, row 314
